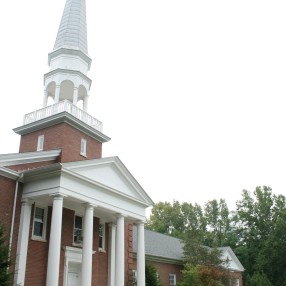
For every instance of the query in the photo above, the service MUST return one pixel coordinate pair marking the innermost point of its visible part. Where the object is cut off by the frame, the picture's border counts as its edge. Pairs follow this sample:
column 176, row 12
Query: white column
column 57, row 93
column 86, row 267
column 111, row 260
column 23, row 239
column 140, row 255
column 55, row 242
column 75, row 95
column 45, row 99
column 85, row 103
column 119, row 256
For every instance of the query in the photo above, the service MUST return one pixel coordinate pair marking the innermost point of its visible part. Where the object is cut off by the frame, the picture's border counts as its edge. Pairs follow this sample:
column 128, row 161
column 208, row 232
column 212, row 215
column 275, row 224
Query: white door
column 73, row 274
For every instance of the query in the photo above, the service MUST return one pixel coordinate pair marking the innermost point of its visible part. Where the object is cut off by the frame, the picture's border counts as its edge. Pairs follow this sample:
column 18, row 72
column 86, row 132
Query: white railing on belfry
column 63, row 106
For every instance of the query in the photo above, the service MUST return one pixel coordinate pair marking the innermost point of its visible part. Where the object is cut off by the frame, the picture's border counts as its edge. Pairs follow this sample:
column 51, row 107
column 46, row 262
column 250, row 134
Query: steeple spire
column 69, row 61
column 72, row 31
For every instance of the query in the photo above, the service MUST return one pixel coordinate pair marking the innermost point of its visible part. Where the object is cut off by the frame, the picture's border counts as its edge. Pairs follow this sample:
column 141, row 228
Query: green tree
column 261, row 231
column 167, row 218
column 259, row 279
column 218, row 221
column 151, row 278
column 4, row 258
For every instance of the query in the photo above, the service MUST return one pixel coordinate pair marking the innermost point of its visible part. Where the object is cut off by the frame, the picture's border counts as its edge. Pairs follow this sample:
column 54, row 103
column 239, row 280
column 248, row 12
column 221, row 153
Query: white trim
column 40, row 144
column 43, row 236
column 101, row 249
column 82, row 223
column 28, row 157
column 172, row 277
column 83, row 146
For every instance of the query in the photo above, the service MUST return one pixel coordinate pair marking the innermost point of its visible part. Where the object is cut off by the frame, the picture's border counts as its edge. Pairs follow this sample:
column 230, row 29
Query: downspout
column 13, row 217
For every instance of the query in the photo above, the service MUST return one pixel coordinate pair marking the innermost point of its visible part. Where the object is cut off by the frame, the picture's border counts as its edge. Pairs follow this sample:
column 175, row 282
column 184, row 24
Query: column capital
column 58, row 196
column 27, row 201
column 120, row 215
column 140, row 222
column 89, row 205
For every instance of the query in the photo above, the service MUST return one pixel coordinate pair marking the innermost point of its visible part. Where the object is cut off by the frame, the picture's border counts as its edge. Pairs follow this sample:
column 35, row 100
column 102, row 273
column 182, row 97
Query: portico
column 83, row 188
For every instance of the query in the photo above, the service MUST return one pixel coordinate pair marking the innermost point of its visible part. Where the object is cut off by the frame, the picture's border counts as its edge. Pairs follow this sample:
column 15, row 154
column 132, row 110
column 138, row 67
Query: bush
column 151, row 278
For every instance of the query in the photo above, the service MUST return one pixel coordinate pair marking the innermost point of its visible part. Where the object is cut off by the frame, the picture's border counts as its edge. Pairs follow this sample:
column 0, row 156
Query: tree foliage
column 151, row 278
column 4, row 258
column 256, row 232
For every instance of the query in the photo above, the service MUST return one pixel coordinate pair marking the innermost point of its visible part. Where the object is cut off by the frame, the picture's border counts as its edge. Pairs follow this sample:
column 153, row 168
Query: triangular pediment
column 112, row 173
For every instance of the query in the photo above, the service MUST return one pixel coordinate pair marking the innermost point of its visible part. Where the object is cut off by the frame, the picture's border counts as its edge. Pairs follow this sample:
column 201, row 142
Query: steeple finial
column 72, row 31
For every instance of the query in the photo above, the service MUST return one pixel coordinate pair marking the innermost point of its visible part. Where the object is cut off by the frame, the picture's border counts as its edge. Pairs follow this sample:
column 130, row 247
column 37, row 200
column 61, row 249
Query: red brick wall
column 129, row 262
column 23, row 167
column 38, row 252
column 7, row 193
column 164, row 269
column 62, row 136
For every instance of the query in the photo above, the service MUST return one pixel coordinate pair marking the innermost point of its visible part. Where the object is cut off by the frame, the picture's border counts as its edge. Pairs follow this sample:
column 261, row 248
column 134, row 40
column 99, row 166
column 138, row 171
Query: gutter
column 13, row 218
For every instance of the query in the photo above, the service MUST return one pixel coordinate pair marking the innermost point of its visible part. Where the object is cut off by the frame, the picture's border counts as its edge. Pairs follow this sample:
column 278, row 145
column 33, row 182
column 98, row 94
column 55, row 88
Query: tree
column 167, row 218
column 259, row 279
column 151, row 277
column 4, row 258
column 261, row 230
column 218, row 221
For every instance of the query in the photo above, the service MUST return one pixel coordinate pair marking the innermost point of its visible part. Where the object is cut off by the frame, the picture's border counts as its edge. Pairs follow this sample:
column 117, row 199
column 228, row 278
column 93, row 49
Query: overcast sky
column 192, row 93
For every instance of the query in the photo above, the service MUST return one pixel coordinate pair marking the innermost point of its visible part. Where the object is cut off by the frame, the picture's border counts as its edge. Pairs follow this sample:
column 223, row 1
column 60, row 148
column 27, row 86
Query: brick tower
column 65, row 123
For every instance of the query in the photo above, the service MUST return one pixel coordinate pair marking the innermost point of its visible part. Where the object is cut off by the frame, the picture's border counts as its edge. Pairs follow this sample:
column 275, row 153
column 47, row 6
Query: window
column 101, row 243
column 157, row 277
column 40, row 145
column 77, row 231
column 39, row 225
column 172, row 279
column 83, row 147
column 134, row 277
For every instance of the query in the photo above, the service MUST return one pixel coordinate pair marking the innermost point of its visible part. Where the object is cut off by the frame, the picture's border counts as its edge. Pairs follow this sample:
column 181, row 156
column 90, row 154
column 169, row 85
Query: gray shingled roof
column 160, row 245
column 166, row 247
column 72, row 31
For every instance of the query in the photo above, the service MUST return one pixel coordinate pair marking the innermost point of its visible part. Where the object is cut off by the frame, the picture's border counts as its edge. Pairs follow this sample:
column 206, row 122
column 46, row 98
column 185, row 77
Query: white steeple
column 69, row 61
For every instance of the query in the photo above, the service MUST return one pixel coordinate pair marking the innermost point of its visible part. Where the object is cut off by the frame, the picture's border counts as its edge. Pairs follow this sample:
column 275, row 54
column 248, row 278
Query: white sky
column 192, row 93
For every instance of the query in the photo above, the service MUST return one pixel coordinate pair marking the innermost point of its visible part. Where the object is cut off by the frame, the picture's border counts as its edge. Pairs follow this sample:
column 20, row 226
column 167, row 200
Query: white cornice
column 61, row 118
column 28, row 157
column 67, row 51
column 5, row 172
column 68, row 71
column 104, row 187
column 119, row 165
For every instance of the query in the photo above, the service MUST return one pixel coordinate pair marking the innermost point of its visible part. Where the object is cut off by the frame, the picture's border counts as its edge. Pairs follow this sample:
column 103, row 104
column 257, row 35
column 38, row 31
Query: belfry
column 71, row 212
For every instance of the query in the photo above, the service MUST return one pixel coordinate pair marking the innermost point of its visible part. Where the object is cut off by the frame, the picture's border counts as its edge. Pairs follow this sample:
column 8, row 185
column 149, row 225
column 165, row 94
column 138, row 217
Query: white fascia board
column 8, row 173
column 28, row 157
column 61, row 118
column 227, row 251
column 114, row 192
column 62, row 51
column 120, row 166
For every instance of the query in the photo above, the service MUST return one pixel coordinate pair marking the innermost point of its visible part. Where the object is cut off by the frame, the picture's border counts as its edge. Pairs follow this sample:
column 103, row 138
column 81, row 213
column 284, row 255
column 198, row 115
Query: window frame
column 79, row 243
column 44, row 230
column 83, row 147
column 172, row 279
column 102, row 248
column 134, row 277
column 40, row 143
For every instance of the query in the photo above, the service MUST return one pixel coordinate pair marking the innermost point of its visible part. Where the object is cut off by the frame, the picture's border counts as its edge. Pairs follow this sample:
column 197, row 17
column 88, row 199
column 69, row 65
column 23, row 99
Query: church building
column 73, row 217
column 70, row 212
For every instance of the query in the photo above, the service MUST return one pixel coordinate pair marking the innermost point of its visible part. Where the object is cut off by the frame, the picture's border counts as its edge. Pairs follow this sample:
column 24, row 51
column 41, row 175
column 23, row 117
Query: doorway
column 74, row 274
